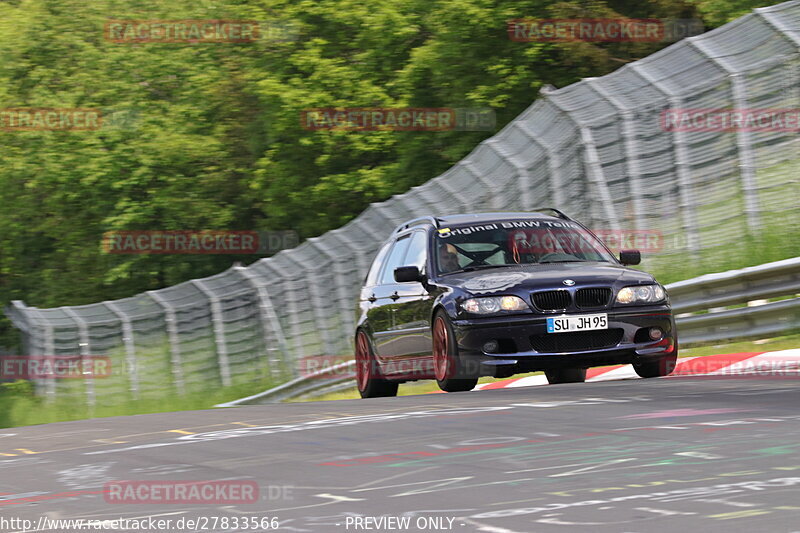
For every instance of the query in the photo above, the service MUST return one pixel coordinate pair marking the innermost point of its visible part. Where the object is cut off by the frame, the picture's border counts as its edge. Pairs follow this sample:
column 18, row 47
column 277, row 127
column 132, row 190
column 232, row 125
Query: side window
column 395, row 259
column 417, row 251
column 372, row 276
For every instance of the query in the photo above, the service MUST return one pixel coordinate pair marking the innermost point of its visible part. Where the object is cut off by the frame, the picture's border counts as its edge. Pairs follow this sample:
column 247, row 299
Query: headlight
column 494, row 304
column 641, row 294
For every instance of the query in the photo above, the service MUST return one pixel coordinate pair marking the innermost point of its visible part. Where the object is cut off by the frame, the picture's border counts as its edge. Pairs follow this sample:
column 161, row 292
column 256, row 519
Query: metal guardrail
column 312, row 384
column 747, row 287
column 707, row 294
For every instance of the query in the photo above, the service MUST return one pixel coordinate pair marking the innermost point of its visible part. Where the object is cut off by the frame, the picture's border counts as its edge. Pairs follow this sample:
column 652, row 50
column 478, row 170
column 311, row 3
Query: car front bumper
column 519, row 336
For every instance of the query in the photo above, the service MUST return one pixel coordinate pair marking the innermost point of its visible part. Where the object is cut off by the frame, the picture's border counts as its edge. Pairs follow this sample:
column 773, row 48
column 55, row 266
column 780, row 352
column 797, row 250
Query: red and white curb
column 781, row 364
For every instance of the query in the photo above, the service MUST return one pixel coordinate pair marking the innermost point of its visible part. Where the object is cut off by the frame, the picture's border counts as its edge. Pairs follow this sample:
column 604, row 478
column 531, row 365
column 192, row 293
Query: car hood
column 542, row 277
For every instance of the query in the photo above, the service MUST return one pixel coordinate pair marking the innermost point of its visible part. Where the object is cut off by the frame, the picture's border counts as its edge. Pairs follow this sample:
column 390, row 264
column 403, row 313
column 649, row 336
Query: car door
column 412, row 329
column 383, row 298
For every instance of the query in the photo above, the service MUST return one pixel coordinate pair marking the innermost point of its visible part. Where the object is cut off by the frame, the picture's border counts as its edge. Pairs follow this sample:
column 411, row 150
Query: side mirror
column 408, row 273
column 630, row 257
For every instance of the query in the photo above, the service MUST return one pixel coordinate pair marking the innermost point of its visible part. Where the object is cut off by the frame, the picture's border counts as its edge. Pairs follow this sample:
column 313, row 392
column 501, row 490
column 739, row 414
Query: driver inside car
column 448, row 258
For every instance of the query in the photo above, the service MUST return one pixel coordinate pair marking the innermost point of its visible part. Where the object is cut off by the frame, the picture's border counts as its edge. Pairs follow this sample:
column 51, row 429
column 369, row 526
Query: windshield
column 515, row 242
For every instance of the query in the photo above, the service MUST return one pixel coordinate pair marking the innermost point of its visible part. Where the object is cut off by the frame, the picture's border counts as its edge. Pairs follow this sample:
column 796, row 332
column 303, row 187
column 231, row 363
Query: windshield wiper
column 563, row 261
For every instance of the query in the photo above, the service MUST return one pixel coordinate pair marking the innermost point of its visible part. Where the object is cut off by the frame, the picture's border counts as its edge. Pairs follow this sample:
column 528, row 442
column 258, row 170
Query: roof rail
column 417, row 221
column 558, row 213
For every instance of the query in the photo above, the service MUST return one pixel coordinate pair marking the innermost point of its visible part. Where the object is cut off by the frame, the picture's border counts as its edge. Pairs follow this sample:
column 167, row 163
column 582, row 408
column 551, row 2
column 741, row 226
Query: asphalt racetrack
column 687, row 454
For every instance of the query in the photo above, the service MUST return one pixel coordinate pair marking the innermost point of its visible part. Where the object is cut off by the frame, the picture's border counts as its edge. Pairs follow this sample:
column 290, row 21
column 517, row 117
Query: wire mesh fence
column 598, row 149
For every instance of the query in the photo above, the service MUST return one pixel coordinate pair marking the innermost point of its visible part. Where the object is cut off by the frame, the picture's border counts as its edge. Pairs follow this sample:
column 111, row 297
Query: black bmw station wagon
column 494, row 294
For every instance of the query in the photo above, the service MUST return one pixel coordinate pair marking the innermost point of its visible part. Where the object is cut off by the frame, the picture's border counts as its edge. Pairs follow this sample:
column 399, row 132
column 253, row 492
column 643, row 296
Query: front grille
column 593, row 297
column 551, row 300
column 576, row 341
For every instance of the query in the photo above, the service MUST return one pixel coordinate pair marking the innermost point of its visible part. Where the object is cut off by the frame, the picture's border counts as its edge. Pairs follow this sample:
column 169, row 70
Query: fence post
column 632, row 169
column 553, row 163
column 268, row 316
column 591, row 160
column 453, row 192
column 786, row 30
column 318, row 306
column 49, row 348
column 174, row 342
column 744, row 143
column 83, row 335
column 348, row 311
column 681, row 167
column 219, row 332
column 130, row 347
column 362, row 261
column 523, row 173
column 470, row 167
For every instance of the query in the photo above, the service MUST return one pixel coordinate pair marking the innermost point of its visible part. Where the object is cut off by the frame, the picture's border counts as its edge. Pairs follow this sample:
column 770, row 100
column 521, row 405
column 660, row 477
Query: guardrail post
column 174, row 341
column 130, row 347
column 219, row 332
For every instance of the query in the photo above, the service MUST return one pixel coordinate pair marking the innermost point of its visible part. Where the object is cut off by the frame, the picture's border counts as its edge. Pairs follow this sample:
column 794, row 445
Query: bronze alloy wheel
column 369, row 381
column 442, row 360
column 447, row 366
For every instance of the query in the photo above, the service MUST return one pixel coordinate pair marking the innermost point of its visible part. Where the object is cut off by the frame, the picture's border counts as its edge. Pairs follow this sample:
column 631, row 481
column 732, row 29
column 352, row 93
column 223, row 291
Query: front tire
column 565, row 375
column 369, row 381
column 659, row 368
column 448, row 367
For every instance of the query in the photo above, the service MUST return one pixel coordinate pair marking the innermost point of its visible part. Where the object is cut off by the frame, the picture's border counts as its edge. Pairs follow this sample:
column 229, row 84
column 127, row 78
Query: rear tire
column 369, row 381
column 656, row 369
column 565, row 375
column 448, row 367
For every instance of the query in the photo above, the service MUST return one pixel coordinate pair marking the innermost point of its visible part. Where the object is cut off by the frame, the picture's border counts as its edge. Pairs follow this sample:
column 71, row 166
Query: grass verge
column 19, row 406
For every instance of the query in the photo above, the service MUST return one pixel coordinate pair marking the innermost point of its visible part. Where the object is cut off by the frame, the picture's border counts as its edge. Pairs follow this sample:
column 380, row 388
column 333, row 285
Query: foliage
column 216, row 141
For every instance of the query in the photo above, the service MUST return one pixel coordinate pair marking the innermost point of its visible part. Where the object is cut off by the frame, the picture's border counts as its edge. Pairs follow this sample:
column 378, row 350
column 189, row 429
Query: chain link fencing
column 596, row 149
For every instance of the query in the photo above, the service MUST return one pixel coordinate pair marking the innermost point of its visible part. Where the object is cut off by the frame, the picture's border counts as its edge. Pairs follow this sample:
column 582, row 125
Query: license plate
column 564, row 324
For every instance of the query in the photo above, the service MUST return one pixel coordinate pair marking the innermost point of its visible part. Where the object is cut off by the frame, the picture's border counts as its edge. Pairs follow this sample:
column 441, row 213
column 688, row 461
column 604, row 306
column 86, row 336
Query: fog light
column 491, row 346
column 656, row 333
